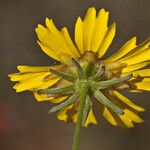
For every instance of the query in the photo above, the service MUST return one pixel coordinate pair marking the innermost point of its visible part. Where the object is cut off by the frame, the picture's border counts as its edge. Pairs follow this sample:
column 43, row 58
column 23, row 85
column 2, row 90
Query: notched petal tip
column 10, row 76
column 102, row 10
column 48, row 21
column 79, row 19
column 17, row 89
column 142, row 109
column 134, row 39
column 113, row 25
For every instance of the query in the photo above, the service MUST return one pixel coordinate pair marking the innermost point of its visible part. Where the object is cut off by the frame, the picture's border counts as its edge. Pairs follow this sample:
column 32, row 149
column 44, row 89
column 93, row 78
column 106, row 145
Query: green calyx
column 89, row 77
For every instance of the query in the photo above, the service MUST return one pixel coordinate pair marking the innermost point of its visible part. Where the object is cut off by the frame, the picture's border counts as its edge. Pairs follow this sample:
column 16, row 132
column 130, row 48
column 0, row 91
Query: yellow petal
column 88, row 28
column 30, row 83
column 42, row 97
column 145, row 80
column 65, row 116
column 109, row 117
column 21, row 77
column 127, row 101
column 131, row 44
column 62, row 115
column 143, row 85
column 74, row 117
column 47, row 39
column 49, row 51
column 100, row 30
column 139, row 57
column 25, row 69
column 107, row 40
column 34, row 78
column 140, row 48
column 127, row 121
column 142, row 73
column 69, row 42
column 49, row 44
column 130, row 112
column 131, row 68
column 137, row 91
column 57, row 36
column 90, row 119
column 133, row 116
column 49, row 82
column 64, row 58
column 59, row 99
column 79, row 35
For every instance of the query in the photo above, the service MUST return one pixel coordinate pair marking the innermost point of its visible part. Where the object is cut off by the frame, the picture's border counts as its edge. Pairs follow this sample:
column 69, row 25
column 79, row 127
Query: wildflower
column 82, row 65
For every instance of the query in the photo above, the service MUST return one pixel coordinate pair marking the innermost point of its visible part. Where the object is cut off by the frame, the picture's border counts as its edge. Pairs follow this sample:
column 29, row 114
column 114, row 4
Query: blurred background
column 24, row 123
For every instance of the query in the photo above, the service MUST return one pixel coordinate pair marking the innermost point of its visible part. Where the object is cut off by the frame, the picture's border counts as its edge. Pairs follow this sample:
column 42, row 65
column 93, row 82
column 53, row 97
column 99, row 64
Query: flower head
column 82, row 64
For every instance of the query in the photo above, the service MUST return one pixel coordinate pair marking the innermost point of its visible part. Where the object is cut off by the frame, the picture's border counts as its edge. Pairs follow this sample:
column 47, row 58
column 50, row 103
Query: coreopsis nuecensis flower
column 82, row 62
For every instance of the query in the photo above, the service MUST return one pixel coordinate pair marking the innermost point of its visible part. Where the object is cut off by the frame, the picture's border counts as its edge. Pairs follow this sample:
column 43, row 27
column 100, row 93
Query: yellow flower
column 93, row 37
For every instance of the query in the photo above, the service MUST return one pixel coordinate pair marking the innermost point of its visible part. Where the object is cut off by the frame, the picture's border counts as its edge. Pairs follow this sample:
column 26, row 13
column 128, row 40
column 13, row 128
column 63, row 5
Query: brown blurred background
column 24, row 123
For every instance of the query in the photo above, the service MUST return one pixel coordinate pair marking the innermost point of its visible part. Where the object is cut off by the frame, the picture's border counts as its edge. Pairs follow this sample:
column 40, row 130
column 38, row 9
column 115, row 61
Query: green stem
column 83, row 94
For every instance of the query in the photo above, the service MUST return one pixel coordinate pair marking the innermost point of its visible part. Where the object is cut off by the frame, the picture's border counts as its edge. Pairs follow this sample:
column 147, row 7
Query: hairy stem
column 83, row 95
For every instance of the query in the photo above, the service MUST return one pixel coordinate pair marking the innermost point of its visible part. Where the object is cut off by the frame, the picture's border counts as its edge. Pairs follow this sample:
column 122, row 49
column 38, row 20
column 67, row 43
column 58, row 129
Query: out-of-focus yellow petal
column 131, row 68
column 74, row 117
column 144, row 84
column 126, row 121
column 100, row 30
column 133, row 116
column 90, row 119
column 137, row 91
column 127, row 101
column 107, row 40
column 70, row 114
column 79, row 35
column 62, row 115
column 109, row 117
column 88, row 28
column 131, row 44
column 130, row 111
column 138, row 73
column 69, row 42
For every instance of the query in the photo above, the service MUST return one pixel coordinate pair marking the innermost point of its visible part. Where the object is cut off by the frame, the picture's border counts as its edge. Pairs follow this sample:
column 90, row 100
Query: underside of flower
column 83, row 69
column 90, row 74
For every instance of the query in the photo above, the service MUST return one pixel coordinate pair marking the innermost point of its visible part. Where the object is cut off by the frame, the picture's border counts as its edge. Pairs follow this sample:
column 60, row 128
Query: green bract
column 86, row 76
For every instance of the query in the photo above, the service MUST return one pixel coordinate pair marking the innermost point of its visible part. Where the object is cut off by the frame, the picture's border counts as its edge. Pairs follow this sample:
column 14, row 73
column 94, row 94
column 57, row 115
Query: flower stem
column 83, row 95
